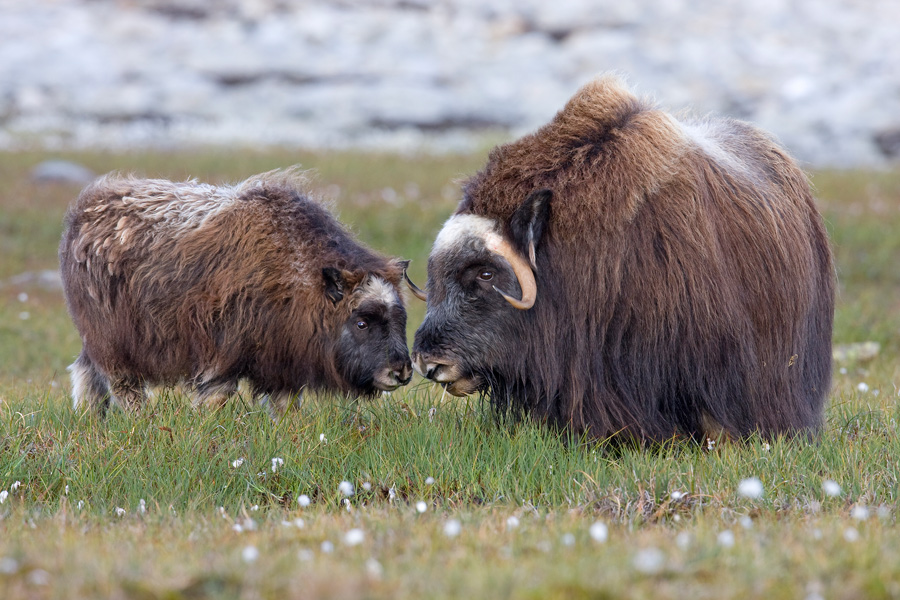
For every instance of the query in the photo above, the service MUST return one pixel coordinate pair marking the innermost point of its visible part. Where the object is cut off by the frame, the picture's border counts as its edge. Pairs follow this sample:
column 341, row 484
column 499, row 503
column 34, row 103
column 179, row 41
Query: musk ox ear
column 335, row 284
column 529, row 222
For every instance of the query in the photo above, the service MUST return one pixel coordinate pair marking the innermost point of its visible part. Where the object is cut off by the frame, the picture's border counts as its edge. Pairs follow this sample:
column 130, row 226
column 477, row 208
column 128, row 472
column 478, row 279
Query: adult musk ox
column 190, row 283
column 624, row 273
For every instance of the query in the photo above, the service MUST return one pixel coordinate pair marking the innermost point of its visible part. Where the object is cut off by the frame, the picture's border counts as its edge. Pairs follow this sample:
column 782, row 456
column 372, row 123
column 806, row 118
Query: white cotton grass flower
column 15, row 486
column 860, row 512
column 568, row 539
column 120, row 512
column 322, row 438
column 303, row 500
column 649, row 561
column 237, row 462
column 374, row 568
column 676, row 496
column 346, row 488
column 725, row 538
column 80, row 503
column 249, row 554
column 23, row 297
column 276, row 463
column 452, row 528
column 142, row 506
column 429, row 481
column 421, row 506
column 39, row 577
column 683, row 540
column 831, row 488
column 512, row 522
column 392, row 493
column 599, row 532
column 354, row 537
column 863, row 387
column 9, row 566
column 751, row 488
column 851, row 534
column 367, row 486
column 327, row 547
column 66, row 489
column 3, row 496
column 746, row 522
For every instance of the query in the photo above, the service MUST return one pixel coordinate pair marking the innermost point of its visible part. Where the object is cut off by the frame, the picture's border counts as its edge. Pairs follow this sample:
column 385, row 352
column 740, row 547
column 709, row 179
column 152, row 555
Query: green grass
column 73, row 527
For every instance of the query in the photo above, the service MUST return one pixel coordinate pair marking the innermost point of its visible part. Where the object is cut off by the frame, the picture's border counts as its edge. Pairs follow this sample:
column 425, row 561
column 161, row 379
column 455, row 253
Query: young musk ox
column 189, row 283
column 623, row 273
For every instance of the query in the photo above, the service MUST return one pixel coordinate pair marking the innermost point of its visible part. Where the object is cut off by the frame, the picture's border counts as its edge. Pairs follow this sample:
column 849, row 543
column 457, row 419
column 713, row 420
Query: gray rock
column 62, row 171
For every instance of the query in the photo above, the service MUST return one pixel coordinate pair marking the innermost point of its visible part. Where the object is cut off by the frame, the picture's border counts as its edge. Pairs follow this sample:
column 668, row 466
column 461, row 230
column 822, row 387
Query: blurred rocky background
column 440, row 75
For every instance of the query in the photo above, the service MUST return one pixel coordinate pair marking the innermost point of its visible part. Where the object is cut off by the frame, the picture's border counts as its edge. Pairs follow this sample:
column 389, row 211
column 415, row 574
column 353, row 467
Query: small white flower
column 452, row 528
column 345, row 502
column 249, row 554
column 237, row 528
column 303, row 500
column 322, row 438
column 421, row 506
column 649, row 561
column 142, row 506
column 392, row 493
column 746, row 522
column 863, row 387
column 66, row 490
column 766, row 447
column 374, row 568
column 860, row 512
column 299, row 523
column 831, row 488
column 254, row 508
column 15, row 486
column 354, row 537
column 512, row 522
column 429, row 481
column 23, row 297
column 346, row 488
column 276, row 462
column 568, row 539
column 676, row 496
column 327, row 547
column 249, row 524
column 851, row 534
column 710, row 444
column 367, row 486
column 726, row 538
column 751, row 488
column 683, row 540
column 80, row 503
column 9, row 566
column 599, row 531
column 237, row 462
column 120, row 512
column 3, row 496
column 39, row 577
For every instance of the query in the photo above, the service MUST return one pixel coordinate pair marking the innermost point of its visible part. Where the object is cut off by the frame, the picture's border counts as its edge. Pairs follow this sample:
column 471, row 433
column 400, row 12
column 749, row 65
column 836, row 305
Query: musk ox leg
column 90, row 388
column 128, row 392
column 214, row 394
column 279, row 403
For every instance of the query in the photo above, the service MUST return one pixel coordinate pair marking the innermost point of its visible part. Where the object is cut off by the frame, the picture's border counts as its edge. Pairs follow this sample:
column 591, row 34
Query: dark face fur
column 469, row 322
column 371, row 353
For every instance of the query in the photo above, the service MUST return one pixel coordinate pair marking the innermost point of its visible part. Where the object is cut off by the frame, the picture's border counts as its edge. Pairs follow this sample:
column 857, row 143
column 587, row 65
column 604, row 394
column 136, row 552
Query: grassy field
column 445, row 503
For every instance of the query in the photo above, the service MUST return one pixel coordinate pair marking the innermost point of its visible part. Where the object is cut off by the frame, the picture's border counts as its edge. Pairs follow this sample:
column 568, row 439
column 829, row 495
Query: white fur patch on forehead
column 461, row 227
column 376, row 288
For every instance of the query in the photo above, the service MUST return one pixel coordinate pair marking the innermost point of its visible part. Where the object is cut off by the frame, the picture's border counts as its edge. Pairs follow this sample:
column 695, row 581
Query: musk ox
column 188, row 283
column 626, row 274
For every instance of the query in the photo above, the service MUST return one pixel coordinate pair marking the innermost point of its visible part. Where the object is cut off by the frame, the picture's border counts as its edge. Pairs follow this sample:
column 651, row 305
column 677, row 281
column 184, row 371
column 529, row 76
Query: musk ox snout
column 188, row 283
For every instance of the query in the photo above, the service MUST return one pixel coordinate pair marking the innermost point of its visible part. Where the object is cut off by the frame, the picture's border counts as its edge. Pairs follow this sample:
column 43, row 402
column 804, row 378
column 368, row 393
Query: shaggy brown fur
column 684, row 278
column 186, row 282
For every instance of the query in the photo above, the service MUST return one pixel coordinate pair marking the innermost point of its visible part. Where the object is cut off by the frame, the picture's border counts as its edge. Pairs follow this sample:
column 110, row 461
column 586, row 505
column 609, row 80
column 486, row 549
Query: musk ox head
column 481, row 276
column 371, row 352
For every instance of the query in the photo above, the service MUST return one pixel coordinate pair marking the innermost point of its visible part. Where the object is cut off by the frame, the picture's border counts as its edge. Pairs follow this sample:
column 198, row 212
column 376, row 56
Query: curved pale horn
column 414, row 288
column 522, row 270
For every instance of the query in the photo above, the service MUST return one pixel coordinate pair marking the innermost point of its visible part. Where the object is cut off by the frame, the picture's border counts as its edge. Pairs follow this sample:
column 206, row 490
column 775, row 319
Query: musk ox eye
column 486, row 275
column 362, row 324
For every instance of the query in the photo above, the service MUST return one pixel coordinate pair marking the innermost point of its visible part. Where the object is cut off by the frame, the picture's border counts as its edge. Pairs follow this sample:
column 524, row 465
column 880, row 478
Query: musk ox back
column 187, row 283
column 655, row 277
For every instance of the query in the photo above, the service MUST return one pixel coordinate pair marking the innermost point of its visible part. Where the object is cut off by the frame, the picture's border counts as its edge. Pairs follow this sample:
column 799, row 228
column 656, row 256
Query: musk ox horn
column 523, row 273
column 418, row 293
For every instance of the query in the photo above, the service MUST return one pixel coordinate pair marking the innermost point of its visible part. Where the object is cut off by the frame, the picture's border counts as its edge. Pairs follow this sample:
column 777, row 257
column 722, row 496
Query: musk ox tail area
column 678, row 276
